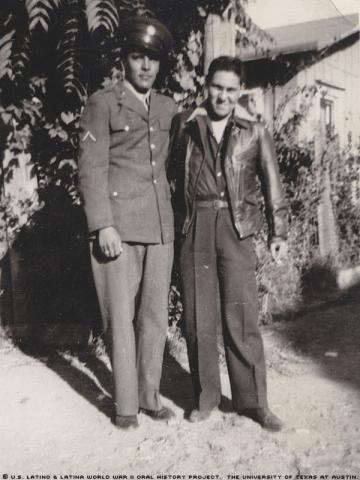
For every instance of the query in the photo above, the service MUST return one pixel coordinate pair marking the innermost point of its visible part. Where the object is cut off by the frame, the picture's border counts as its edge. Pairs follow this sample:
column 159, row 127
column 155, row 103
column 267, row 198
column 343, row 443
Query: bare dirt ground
column 55, row 412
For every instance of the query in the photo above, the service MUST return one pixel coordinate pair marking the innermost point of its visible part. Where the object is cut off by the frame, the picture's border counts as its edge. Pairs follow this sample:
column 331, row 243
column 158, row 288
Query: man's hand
column 278, row 249
column 110, row 242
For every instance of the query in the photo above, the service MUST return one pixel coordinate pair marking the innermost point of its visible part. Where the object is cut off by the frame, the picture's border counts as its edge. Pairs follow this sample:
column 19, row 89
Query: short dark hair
column 225, row 64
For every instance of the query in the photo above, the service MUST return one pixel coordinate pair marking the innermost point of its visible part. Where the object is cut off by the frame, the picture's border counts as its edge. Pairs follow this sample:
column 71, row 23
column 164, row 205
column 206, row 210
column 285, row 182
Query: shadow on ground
column 90, row 377
column 329, row 335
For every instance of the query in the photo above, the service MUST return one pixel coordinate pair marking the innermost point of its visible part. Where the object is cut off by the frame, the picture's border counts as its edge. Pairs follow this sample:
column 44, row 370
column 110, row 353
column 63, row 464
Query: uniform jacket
column 123, row 152
column 249, row 153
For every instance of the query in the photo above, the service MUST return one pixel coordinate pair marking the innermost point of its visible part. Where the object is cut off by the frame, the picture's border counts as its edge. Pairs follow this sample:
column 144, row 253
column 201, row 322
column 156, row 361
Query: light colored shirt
column 218, row 127
column 143, row 97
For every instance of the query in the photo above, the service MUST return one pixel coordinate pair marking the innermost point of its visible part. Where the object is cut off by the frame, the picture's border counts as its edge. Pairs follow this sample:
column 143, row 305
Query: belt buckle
column 217, row 204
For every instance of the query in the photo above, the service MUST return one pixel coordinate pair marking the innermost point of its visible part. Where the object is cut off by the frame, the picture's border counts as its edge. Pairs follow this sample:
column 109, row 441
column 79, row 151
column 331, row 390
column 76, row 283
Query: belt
column 216, row 204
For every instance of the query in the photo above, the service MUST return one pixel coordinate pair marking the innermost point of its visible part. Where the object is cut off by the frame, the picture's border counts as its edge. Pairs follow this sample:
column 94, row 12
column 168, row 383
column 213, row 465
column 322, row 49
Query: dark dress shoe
column 199, row 415
column 163, row 415
column 126, row 421
column 264, row 417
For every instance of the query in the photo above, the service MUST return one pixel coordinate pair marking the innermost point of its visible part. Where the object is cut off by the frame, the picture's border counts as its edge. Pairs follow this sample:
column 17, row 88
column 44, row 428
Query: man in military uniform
column 218, row 152
column 123, row 148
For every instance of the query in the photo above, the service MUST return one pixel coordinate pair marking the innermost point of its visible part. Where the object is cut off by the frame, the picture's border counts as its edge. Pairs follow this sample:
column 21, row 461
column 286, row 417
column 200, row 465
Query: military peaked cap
column 146, row 33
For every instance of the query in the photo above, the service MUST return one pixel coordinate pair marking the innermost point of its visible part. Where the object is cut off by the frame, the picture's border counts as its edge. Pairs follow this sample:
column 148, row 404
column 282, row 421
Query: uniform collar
column 143, row 97
column 126, row 96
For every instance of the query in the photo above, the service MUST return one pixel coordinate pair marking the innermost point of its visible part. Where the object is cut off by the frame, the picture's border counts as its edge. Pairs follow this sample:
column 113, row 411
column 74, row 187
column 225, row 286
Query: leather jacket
column 249, row 154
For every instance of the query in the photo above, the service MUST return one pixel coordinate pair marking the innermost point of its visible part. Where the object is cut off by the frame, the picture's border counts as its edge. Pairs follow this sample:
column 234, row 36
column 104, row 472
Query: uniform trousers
column 133, row 295
column 213, row 259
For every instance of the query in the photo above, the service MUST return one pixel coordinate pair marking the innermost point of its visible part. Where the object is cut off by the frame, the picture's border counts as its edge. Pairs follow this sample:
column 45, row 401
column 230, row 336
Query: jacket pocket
column 119, row 122
column 246, row 155
column 119, row 125
column 121, row 190
column 250, row 199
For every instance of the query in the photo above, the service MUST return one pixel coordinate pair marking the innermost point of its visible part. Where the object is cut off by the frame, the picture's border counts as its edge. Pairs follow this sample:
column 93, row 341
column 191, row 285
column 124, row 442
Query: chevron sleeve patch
column 87, row 135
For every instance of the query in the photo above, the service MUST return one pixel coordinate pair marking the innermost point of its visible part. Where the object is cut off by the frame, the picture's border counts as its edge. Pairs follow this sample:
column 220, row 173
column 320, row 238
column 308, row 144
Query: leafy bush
column 305, row 275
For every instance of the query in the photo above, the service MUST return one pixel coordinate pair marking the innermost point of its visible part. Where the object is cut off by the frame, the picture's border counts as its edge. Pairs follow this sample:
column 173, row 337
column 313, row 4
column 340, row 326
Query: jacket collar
column 126, row 97
column 241, row 116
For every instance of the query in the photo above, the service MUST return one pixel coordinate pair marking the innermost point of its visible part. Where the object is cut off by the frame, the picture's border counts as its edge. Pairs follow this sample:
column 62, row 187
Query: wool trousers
column 214, row 260
column 133, row 292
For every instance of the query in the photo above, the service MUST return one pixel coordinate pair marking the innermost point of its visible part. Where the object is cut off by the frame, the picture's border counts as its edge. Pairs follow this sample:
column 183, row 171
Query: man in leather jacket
column 218, row 150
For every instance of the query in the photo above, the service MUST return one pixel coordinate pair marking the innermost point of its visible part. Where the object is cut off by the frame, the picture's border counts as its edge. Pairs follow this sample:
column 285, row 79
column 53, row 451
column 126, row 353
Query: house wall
column 341, row 71
column 338, row 79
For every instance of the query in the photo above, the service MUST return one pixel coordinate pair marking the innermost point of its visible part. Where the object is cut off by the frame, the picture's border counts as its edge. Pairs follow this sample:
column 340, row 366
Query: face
column 141, row 69
column 223, row 93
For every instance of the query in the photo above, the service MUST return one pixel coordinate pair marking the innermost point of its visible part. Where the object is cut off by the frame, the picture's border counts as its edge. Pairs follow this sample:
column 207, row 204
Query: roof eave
column 294, row 49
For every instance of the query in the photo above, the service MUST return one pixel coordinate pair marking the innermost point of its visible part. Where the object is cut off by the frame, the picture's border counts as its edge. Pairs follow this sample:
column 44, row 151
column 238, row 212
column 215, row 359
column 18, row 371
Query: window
column 327, row 107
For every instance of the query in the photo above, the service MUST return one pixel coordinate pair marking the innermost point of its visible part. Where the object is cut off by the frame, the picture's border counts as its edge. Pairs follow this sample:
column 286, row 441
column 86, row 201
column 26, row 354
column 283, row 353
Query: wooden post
column 328, row 241
column 220, row 36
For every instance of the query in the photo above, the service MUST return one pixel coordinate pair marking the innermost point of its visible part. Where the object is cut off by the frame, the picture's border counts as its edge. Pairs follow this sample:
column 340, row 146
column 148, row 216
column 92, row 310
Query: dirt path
column 55, row 413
